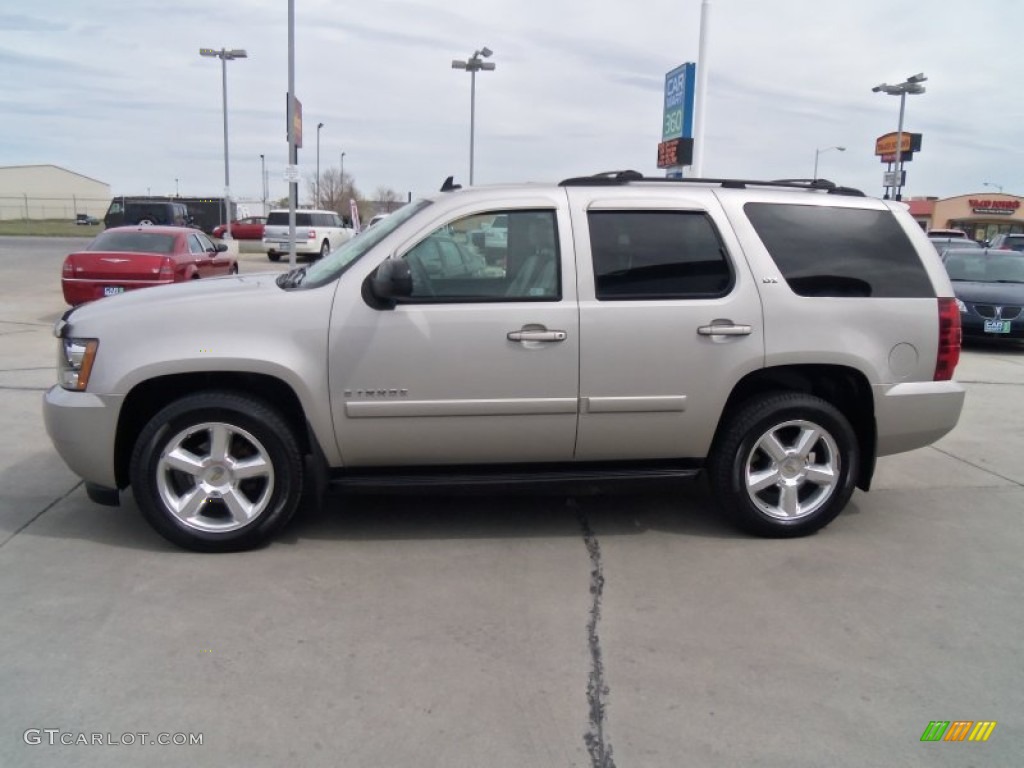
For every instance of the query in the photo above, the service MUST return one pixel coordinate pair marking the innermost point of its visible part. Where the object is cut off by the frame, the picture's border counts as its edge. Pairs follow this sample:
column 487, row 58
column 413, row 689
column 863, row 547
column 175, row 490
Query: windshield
column 148, row 242
column 337, row 261
column 981, row 268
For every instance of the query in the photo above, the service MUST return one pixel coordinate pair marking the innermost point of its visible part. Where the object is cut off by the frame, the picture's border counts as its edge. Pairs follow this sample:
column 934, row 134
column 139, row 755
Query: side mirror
column 392, row 281
column 221, row 247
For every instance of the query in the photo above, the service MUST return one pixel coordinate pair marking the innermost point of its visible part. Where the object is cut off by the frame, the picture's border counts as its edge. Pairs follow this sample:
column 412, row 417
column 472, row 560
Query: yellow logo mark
column 982, row 730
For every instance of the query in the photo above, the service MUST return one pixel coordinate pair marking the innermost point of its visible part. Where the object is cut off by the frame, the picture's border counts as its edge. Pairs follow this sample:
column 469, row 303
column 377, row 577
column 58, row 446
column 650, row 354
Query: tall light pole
column 700, row 105
column 474, row 65
column 263, row 182
column 225, row 54
column 341, row 183
column 911, row 85
column 178, row 194
column 318, row 127
column 818, row 152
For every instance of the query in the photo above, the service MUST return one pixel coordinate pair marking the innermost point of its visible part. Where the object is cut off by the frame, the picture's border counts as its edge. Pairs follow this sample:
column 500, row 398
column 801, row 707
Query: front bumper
column 83, row 429
column 916, row 414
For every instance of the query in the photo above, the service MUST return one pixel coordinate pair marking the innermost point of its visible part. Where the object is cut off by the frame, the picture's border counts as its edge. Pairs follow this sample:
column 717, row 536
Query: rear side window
column 826, row 251
column 280, row 219
column 657, row 255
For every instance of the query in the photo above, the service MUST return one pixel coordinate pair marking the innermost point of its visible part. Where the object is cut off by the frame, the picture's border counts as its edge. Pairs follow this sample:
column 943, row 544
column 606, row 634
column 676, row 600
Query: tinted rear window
column 147, row 242
column 825, row 251
column 280, row 219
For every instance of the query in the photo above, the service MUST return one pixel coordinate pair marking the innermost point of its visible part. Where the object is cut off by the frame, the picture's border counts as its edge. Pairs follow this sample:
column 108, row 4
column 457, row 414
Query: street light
column 990, row 184
column 911, row 85
column 225, row 54
column 474, row 65
column 263, row 182
column 818, row 152
column 318, row 127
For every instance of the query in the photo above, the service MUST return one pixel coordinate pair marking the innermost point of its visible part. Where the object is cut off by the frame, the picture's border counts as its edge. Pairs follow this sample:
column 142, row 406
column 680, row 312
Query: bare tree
column 386, row 197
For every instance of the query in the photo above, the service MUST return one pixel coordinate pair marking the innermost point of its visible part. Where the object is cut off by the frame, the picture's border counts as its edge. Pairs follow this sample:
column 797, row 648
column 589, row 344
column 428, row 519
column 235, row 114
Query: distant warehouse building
column 50, row 192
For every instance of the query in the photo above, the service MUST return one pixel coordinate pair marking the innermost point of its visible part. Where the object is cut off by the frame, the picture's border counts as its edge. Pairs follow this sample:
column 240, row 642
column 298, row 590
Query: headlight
column 961, row 306
column 74, row 362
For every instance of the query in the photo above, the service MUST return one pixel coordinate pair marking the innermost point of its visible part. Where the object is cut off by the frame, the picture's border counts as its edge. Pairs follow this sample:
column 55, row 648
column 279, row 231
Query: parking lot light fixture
column 993, row 185
column 911, row 85
column 818, row 152
column 225, row 55
column 318, row 127
column 473, row 65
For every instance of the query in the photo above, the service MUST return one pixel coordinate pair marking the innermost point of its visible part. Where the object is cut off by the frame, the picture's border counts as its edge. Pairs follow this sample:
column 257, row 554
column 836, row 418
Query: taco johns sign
column 1002, row 207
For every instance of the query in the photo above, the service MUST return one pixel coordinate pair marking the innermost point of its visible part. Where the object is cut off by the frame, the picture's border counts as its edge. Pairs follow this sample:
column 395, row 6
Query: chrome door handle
column 730, row 329
column 537, row 335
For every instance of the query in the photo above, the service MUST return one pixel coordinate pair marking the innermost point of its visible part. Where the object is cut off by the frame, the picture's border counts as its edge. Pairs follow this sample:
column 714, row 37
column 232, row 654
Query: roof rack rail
column 610, row 178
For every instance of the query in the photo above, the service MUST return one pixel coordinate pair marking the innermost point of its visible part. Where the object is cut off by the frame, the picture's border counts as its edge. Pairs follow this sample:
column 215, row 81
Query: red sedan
column 125, row 258
column 243, row 229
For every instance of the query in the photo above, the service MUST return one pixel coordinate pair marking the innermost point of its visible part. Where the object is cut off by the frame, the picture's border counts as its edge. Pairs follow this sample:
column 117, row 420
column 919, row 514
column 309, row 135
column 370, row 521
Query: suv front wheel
column 784, row 465
column 217, row 472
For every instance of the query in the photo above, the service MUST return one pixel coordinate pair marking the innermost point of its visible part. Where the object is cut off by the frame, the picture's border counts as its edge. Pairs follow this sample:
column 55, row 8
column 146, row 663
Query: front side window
column 657, row 255
column 493, row 256
column 194, row 245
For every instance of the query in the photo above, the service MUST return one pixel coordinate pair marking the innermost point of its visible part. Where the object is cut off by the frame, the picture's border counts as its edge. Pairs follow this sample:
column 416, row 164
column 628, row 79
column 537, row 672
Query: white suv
column 317, row 233
column 776, row 336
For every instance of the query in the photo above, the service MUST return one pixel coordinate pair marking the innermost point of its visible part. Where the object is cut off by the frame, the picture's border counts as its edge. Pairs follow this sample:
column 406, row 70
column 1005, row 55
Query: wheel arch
column 845, row 388
column 148, row 397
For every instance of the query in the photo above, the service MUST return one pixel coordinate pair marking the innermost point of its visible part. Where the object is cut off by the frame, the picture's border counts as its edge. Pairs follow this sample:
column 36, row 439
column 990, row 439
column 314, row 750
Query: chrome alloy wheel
column 792, row 470
column 215, row 477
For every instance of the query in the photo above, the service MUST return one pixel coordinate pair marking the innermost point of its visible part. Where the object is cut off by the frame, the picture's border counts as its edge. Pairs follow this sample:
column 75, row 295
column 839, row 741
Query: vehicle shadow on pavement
column 348, row 516
column 356, row 516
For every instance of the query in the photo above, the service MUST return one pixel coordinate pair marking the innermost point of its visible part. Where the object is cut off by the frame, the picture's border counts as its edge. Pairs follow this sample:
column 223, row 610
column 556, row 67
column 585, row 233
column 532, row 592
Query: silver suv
column 776, row 336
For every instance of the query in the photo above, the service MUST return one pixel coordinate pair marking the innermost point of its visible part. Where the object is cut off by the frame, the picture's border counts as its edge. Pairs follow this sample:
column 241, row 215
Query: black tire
column 273, row 255
column 250, row 437
column 233, row 270
column 325, row 249
column 801, row 489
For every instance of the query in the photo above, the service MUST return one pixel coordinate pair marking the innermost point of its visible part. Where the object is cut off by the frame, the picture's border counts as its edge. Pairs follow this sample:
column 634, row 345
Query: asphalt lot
column 487, row 631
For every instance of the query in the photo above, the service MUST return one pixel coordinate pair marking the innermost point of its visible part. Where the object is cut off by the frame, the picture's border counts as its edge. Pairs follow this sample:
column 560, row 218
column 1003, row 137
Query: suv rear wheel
column 784, row 465
column 217, row 472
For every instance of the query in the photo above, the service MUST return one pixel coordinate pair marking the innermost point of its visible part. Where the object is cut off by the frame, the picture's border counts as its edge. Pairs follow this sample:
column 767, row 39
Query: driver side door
column 473, row 367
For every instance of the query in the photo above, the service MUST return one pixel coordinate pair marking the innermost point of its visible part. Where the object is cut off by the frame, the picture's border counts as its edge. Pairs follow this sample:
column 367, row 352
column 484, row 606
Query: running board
column 511, row 477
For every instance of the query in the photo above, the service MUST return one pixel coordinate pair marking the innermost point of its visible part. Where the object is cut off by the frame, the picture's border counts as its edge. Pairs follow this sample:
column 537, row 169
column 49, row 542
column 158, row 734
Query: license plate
column 997, row 326
column 112, row 290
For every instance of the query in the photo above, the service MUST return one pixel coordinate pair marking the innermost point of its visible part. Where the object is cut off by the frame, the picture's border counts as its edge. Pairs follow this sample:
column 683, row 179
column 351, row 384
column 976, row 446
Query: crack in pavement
column 42, row 512
column 987, row 470
column 598, row 744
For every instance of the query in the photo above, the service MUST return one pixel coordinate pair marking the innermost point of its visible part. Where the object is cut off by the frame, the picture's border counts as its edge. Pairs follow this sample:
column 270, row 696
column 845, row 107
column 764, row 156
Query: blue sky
column 118, row 91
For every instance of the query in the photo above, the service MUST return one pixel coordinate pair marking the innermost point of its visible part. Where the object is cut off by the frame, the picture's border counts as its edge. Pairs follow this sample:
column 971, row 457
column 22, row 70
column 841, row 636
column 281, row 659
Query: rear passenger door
column 670, row 319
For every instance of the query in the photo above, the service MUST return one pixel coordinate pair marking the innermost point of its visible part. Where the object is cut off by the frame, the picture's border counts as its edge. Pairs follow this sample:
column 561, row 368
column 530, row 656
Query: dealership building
column 982, row 215
column 50, row 192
